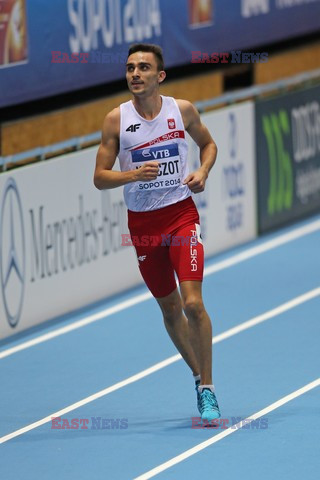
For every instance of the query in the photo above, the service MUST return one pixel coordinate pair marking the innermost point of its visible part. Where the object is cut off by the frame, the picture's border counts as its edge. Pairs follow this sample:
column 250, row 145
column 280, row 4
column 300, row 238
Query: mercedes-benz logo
column 233, row 135
column 12, row 252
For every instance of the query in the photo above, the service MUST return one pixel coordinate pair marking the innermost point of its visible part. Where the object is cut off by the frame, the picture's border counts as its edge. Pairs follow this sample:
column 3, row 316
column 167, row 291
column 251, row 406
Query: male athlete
column 147, row 134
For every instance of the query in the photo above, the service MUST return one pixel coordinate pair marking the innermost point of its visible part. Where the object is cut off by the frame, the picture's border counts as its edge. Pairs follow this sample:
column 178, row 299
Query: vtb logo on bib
column 169, row 166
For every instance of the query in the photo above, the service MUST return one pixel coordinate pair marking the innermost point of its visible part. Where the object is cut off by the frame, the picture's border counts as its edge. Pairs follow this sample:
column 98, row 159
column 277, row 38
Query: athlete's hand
column 148, row 171
column 196, row 181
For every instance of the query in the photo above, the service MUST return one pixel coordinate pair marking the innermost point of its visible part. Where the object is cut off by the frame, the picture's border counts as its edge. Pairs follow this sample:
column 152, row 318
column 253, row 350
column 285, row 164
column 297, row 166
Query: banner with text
column 288, row 157
column 227, row 207
column 90, row 45
column 60, row 242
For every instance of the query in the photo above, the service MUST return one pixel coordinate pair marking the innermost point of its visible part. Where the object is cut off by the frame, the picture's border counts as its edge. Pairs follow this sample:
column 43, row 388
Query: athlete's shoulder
column 185, row 106
column 188, row 111
column 114, row 113
column 111, row 123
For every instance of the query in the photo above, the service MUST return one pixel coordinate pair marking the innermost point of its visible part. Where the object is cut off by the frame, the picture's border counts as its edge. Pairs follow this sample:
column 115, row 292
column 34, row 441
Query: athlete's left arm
column 208, row 149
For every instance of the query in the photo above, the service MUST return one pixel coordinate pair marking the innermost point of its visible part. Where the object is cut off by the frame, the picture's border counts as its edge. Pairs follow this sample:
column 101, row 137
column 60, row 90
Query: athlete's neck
column 149, row 107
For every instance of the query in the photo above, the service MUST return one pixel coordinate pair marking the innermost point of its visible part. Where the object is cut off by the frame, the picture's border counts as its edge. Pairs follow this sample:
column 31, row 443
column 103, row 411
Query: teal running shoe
column 198, row 395
column 208, row 405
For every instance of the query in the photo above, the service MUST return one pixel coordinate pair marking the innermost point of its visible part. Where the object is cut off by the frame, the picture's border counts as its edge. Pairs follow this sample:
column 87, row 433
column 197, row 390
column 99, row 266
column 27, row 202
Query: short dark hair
column 148, row 47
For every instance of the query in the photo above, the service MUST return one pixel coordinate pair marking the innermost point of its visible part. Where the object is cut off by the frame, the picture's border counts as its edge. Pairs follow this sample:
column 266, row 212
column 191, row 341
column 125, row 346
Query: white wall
column 60, row 237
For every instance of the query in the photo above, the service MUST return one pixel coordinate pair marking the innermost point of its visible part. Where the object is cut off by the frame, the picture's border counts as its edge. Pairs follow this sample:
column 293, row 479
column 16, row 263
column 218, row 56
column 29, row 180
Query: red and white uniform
column 162, row 217
column 161, row 139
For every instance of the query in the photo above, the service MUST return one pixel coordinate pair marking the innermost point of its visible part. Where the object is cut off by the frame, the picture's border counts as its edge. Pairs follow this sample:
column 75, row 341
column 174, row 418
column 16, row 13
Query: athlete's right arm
column 104, row 176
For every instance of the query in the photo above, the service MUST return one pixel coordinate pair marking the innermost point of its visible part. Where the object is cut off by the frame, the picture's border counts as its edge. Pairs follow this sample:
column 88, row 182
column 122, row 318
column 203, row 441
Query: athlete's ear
column 161, row 76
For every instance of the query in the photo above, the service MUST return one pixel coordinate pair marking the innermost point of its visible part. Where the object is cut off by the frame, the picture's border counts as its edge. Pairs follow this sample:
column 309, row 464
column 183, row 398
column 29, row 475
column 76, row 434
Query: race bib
column 170, row 165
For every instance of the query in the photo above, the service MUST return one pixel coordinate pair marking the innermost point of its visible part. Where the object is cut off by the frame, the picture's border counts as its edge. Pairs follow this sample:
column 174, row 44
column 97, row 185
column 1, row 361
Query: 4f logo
column 133, row 128
column 276, row 128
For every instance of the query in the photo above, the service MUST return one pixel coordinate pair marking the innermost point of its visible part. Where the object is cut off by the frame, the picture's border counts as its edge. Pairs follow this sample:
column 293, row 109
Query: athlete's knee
column 171, row 307
column 171, row 312
column 193, row 307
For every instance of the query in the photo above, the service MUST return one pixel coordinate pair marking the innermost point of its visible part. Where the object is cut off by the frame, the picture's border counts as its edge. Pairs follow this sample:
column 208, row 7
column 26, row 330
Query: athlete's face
column 142, row 74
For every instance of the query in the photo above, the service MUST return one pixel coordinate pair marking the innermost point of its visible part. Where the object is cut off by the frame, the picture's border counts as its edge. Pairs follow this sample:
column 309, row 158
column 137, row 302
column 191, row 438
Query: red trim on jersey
column 163, row 138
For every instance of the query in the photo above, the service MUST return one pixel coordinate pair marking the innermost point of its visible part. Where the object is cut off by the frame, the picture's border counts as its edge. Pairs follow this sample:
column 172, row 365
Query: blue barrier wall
column 67, row 45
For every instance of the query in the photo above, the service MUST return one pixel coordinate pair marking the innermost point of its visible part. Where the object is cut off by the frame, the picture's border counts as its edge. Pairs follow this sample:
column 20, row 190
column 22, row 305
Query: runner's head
column 144, row 68
column 151, row 48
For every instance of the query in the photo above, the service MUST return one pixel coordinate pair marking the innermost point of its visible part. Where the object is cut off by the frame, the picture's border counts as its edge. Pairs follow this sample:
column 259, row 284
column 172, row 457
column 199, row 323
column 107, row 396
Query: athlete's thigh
column 186, row 253
column 156, row 269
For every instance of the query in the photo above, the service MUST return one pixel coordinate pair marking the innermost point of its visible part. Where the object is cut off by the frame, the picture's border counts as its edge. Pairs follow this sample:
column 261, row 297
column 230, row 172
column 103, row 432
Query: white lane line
column 75, row 325
column 216, row 438
column 165, row 363
column 234, row 260
column 264, row 247
column 267, row 315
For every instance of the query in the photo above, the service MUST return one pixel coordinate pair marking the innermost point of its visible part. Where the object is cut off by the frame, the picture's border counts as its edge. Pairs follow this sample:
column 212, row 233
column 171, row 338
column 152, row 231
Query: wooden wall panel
column 57, row 126
column 61, row 125
column 86, row 118
column 288, row 63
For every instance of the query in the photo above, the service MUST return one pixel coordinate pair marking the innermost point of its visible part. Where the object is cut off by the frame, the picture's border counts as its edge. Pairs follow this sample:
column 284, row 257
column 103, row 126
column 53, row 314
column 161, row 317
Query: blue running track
column 120, row 372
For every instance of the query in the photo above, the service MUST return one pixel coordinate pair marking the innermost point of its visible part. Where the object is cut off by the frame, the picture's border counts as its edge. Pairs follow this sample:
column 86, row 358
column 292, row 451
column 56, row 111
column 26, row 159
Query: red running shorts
column 167, row 241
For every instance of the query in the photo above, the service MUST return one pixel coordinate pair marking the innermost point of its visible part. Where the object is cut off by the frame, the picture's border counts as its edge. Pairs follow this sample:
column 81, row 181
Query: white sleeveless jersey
column 161, row 139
